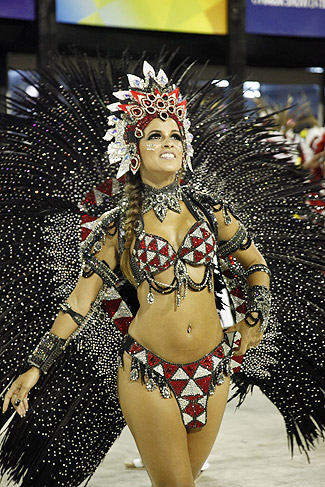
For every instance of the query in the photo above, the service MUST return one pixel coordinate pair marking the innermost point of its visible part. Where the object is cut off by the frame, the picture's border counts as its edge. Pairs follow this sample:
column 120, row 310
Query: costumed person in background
column 167, row 363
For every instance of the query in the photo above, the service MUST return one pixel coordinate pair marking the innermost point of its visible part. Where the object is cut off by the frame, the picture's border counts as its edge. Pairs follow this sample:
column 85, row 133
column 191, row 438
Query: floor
column 251, row 450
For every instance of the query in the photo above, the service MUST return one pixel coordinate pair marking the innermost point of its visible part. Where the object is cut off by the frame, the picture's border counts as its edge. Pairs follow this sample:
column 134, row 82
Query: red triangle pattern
column 205, row 233
column 190, row 369
column 164, row 251
column 135, row 348
column 198, row 256
column 242, row 308
column 196, row 241
column 105, row 187
column 178, row 385
column 238, row 292
column 219, row 352
column 123, row 324
column 195, row 424
column 194, row 409
column 84, row 230
column 170, row 369
column 204, row 383
column 112, row 306
column 206, row 362
column 153, row 359
column 153, row 245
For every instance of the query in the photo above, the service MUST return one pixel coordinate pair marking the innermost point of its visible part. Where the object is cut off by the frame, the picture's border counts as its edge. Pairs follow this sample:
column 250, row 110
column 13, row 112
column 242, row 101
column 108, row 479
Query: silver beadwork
column 259, row 301
column 165, row 391
column 235, row 242
column 150, row 298
column 134, row 374
column 257, row 268
column 162, row 199
column 47, row 351
column 151, row 385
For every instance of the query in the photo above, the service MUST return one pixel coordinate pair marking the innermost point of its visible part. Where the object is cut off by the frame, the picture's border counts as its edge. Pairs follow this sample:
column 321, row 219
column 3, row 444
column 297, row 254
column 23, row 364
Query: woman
column 174, row 358
column 175, row 342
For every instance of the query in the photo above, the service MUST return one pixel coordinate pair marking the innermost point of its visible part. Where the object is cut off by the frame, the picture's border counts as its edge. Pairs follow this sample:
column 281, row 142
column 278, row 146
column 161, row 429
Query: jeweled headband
column 148, row 98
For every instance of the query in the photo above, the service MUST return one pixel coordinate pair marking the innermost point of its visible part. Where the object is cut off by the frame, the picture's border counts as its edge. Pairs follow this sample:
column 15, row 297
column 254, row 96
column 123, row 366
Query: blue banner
column 17, row 9
column 303, row 18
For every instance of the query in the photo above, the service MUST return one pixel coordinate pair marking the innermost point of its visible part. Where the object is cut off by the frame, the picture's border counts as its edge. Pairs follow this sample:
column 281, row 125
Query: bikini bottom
column 191, row 383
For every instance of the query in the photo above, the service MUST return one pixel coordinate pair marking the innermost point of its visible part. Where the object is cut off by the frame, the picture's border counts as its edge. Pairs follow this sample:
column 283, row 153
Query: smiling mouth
column 167, row 155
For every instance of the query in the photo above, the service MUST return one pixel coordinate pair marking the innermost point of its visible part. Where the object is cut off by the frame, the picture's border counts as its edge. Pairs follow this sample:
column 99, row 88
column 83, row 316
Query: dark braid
column 134, row 193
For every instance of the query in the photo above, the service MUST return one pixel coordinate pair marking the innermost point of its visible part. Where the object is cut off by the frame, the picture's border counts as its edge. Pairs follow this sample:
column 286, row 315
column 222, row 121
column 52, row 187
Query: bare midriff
column 177, row 334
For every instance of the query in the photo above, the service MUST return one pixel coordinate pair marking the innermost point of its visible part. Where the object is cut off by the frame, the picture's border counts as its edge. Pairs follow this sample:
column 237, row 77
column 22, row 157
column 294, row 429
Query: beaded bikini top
column 153, row 254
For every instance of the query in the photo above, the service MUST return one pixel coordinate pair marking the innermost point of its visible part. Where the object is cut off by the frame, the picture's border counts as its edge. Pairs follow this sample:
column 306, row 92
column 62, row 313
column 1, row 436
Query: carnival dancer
column 172, row 367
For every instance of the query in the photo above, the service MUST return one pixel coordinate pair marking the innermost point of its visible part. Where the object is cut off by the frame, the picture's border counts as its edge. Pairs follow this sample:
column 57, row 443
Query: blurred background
column 276, row 46
column 271, row 49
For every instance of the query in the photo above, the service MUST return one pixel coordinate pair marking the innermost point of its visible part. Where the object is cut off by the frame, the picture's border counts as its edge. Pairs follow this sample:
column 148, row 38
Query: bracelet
column 258, row 301
column 47, row 351
column 77, row 317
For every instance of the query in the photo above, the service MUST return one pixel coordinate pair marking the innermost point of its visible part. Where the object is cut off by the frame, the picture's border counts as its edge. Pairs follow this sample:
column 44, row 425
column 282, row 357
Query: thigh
column 157, row 428
column 200, row 441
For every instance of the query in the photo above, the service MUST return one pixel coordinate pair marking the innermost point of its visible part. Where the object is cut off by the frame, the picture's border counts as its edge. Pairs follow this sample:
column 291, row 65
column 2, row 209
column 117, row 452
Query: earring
column 135, row 164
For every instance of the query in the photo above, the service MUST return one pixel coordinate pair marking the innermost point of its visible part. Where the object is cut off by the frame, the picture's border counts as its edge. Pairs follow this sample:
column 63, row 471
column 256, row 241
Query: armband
column 258, row 301
column 47, row 351
column 258, row 268
column 101, row 268
column 239, row 241
column 77, row 318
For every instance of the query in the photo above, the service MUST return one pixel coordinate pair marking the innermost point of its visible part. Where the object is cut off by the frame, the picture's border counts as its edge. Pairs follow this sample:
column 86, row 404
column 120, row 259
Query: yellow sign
column 188, row 16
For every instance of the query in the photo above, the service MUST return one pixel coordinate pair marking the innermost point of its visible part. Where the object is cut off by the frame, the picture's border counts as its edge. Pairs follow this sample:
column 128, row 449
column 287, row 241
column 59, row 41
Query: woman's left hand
column 250, row 336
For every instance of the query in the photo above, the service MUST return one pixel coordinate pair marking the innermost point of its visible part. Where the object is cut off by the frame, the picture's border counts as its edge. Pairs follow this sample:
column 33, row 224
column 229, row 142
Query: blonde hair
column 134, row 194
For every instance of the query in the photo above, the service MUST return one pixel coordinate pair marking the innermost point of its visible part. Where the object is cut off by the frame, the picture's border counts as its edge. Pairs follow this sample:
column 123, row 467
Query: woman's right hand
column 17, row 394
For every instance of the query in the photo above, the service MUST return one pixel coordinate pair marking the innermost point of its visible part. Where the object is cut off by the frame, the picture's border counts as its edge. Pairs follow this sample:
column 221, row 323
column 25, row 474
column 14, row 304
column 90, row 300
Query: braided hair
column 134, row 194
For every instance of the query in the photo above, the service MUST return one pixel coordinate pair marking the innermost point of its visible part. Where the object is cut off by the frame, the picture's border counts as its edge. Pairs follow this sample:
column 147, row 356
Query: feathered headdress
column 148, row 98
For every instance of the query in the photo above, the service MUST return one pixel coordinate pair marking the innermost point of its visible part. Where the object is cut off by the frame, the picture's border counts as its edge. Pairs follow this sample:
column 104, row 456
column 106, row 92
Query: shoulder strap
column 203, row 202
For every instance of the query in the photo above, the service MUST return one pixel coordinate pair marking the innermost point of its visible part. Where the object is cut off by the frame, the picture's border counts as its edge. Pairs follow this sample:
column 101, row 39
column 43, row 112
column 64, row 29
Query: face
column 161, row 150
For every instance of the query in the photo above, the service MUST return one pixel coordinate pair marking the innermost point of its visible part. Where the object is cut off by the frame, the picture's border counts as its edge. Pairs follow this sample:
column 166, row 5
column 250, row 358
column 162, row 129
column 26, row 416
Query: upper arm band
column 101, row 268
column 257, row 268
column 239, row 241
